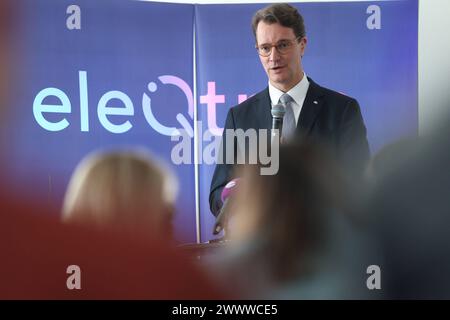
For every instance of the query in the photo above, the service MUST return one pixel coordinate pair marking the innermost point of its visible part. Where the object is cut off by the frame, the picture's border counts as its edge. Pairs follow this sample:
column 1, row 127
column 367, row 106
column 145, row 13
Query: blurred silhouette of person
column 37, row 250
column 291, row 236
column 123, row 189
column 410, row 211
column 388, row 158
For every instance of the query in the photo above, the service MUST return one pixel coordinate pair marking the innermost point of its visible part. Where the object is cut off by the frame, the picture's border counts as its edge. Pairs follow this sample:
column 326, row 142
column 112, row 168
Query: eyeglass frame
column 291, row 41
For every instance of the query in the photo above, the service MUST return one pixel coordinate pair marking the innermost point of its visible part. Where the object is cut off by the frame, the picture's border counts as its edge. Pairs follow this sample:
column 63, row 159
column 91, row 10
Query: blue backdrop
column 121, row 46
column 125, row 77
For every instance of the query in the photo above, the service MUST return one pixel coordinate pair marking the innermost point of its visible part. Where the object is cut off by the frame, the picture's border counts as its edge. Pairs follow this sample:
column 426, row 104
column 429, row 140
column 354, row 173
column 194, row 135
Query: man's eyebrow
column 269, row 43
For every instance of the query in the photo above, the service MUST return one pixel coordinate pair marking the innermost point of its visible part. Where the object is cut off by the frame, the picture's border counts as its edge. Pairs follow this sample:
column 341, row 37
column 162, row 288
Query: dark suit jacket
column 328, row 117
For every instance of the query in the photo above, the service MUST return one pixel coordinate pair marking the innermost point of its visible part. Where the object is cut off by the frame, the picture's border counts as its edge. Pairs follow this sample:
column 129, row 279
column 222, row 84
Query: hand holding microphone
column 227, row 192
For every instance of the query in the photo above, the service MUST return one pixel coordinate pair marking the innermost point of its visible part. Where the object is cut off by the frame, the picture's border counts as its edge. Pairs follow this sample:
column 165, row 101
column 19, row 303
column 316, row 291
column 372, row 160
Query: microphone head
column 278, row 111
column 229, row 189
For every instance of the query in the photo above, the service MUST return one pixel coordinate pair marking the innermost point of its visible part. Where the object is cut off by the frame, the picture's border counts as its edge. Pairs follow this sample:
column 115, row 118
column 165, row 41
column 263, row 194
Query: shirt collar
column 298, row 92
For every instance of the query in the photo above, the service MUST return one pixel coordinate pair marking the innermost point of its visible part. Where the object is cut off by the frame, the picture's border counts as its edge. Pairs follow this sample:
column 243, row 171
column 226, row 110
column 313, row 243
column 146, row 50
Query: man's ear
column 303, row 42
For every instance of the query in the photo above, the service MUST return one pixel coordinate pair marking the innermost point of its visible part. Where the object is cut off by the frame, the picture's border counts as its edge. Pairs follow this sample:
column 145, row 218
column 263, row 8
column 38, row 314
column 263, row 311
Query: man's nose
column 274, row 55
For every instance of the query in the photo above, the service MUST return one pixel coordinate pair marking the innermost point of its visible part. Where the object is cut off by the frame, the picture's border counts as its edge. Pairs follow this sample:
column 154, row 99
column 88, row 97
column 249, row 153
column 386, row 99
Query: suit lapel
column 311, row 108
column 263, row 110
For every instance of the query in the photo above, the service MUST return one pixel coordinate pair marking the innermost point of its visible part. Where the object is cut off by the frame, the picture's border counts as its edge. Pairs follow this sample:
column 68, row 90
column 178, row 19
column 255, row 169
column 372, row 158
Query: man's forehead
column 274, row 32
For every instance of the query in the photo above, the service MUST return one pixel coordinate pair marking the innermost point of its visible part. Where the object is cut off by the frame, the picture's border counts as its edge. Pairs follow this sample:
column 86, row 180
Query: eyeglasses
column 282, row 47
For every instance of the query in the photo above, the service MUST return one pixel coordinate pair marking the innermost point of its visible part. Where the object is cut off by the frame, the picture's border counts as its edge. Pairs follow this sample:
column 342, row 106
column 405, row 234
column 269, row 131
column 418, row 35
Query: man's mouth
column 276, row 68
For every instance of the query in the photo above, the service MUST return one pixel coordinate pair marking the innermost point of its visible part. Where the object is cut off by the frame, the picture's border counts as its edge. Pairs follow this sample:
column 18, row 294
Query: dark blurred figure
column 293, row 234
column 410, row 208
column 36, row 249
column 386, row 161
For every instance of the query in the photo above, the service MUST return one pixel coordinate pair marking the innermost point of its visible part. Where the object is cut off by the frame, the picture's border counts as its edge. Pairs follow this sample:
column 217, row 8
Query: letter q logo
column 147, row 107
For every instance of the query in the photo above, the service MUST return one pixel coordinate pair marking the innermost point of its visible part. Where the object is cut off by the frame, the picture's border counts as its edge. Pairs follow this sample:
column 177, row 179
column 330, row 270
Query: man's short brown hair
column 282, row 13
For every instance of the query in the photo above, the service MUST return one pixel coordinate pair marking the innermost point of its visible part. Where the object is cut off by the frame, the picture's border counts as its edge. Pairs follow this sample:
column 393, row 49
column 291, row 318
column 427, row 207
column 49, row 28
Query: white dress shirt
column 298, row 93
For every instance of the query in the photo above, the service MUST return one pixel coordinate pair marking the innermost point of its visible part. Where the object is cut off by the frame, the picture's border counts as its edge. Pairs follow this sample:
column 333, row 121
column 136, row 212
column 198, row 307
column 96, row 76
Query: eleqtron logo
column 106, row 109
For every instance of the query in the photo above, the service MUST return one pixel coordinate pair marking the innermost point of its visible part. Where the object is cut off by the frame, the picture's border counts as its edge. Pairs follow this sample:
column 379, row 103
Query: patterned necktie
column 289, row 124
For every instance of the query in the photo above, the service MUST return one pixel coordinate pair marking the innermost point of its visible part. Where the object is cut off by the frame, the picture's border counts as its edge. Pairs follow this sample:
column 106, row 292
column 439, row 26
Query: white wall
column 434, row 61
column 434, row 55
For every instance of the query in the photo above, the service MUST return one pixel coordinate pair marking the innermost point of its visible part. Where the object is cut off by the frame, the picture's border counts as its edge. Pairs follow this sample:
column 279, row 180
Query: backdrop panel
column 80, row 56
column 365, row 51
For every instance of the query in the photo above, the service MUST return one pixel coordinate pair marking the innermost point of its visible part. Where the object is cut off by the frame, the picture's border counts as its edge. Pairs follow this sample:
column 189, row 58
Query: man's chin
column 278, row 81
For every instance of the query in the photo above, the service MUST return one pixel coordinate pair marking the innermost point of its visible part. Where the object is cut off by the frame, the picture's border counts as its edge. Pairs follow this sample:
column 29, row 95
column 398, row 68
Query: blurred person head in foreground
column 124, row 189
column 291, row 233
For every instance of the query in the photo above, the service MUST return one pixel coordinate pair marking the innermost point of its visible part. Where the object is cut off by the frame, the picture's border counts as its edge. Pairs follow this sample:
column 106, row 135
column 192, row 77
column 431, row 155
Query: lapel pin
column 315, row 102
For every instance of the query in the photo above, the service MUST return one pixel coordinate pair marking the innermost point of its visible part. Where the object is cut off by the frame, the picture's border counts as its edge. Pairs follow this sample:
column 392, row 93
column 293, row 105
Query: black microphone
column 277, row 112
column 227, row 192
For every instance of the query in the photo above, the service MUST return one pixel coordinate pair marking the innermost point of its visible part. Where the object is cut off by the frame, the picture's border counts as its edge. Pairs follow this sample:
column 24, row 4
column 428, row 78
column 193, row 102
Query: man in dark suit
column 321, row 115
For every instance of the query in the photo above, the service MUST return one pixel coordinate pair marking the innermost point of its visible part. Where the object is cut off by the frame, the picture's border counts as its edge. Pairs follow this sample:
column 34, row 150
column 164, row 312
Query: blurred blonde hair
column 127, row 190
